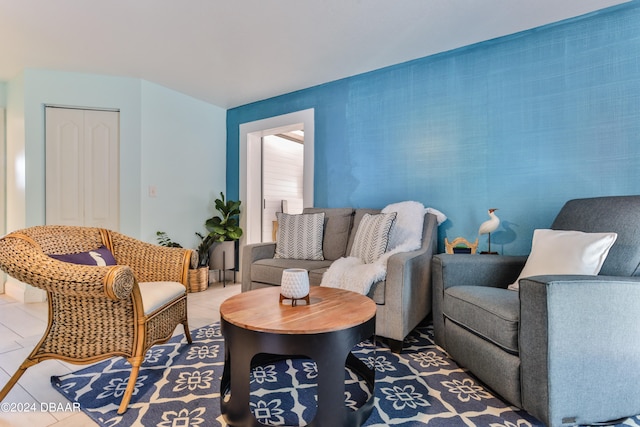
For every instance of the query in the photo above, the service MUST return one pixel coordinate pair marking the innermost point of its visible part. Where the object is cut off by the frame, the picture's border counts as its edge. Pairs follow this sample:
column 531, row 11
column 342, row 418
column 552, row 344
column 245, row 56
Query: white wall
column 155, row 123
column 3, row 169
column 16, row 178
column 3, row 94
column 184, row 158
column 15, row 149
column 166, row 138
column 42, row 87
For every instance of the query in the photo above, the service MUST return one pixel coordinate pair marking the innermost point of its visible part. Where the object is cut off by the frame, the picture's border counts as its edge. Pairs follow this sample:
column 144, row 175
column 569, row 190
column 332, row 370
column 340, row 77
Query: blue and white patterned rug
column 179, row 385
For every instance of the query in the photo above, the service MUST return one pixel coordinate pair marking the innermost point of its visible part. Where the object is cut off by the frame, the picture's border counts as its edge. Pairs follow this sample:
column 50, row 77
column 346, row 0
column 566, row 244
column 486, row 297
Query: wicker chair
column 95, row 312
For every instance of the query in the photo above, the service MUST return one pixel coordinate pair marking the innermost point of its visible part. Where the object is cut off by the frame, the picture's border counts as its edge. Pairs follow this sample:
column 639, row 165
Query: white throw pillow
column 372, row 236
column 300, row 236
column 566, row 252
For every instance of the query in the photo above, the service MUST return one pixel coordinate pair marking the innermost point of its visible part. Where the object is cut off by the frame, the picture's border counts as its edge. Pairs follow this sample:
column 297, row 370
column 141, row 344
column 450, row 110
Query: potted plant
column 225, row 226
column 165, row 240
column 225, row 229
column 203, row 249
column 198, row 277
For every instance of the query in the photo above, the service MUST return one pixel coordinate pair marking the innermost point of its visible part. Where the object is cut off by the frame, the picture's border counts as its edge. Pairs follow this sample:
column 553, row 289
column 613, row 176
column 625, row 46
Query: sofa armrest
column 477, row 270
column 407, row 291
column 469, row 270
column 580, row 347
column 408, row 285
column 252, row 253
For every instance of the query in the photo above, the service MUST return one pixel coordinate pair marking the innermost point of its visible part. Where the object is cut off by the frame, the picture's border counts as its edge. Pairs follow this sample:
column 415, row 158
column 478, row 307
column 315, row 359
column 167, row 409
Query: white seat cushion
column 157, row 294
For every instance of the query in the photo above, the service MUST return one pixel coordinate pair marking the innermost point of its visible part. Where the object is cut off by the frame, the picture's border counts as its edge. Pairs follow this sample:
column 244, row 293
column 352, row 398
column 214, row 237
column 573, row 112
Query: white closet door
column 82, row 167
column 101, row 171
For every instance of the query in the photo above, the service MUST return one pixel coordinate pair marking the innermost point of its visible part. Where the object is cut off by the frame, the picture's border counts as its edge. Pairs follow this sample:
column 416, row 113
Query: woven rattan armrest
column 115, row 282
column 27, row 263
column 152, row 263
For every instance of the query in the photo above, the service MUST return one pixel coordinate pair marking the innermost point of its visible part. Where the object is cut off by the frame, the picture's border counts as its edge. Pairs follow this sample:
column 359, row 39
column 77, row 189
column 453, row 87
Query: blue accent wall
column 522, row 123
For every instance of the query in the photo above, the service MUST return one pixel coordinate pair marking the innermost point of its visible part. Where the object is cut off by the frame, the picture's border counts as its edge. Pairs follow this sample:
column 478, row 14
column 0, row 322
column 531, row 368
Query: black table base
column 245, row 349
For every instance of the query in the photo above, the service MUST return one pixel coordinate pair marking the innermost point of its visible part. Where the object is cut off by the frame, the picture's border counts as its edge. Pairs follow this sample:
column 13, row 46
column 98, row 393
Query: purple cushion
column 100, row 256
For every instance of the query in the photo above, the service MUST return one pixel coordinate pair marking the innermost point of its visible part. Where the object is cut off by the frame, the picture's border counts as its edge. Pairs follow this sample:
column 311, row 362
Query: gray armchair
column 564, row 348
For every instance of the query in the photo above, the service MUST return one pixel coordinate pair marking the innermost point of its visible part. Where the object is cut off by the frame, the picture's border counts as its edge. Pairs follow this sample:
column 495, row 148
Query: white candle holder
column 295, row 285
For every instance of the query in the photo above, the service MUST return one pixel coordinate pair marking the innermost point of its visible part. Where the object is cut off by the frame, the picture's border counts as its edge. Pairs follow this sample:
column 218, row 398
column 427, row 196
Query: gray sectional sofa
column 566, row 348
column 403, row 299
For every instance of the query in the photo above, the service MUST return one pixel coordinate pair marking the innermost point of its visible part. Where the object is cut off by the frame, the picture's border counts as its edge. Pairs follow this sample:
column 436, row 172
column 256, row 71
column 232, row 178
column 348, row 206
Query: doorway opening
column 282, row 178
column 251, row 172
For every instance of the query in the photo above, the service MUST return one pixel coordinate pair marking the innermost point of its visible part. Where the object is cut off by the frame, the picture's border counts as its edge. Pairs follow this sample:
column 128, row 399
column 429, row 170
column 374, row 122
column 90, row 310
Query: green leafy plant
column 222, row 227
column 203, row 248
column 164, row 240
column 225, row 226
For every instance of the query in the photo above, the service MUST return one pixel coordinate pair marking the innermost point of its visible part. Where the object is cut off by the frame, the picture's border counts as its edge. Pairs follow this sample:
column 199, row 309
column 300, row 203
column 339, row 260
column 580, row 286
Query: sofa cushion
column 337, row 225
column 269, row 270
column 372, row 236
column 491, row 313
column 315, row 276
column 376, row 293
column 300, row 236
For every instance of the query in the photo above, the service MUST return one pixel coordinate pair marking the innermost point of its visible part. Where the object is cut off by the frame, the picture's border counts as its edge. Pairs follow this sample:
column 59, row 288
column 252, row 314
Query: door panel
column 64, row 168
column 102, row 175
column 82, row 184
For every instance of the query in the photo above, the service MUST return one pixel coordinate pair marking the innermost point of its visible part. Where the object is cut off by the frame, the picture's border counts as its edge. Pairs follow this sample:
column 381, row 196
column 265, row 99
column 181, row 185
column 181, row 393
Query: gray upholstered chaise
column 565, row 348
column 403, row 299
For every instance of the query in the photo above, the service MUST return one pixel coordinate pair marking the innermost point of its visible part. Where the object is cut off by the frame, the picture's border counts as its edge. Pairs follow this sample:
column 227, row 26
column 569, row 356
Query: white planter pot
column 223, row 256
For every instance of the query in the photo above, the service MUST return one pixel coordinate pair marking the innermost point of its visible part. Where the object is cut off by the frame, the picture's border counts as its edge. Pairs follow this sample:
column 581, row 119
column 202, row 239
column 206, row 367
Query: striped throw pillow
column 300, row 236
column 372, row 236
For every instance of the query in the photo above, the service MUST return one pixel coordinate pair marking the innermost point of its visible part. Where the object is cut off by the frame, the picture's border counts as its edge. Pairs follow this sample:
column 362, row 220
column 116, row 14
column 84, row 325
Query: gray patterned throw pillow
column 372, row 236
column 300, row 236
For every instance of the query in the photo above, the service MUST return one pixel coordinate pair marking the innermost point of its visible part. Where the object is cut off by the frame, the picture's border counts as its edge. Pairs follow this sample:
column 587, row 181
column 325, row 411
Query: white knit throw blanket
column 353, row 274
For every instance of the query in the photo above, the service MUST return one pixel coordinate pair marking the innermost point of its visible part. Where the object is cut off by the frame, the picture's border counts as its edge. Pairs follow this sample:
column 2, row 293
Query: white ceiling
column 233, row 52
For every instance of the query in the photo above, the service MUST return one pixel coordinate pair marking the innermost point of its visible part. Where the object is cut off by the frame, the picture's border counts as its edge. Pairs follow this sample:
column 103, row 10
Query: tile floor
column 21, row 327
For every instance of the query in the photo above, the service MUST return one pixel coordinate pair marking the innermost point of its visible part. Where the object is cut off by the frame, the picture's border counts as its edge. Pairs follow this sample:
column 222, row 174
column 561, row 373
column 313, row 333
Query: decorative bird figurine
column 489, row 226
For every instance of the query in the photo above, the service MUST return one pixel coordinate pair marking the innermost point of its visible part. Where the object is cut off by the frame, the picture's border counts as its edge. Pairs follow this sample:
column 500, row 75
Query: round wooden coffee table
column 257, row 327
